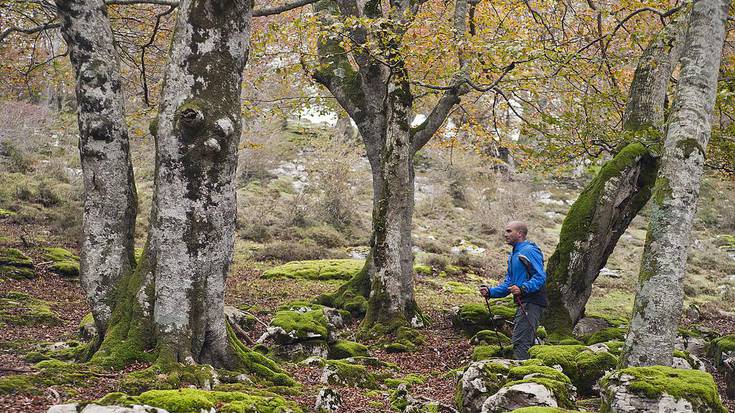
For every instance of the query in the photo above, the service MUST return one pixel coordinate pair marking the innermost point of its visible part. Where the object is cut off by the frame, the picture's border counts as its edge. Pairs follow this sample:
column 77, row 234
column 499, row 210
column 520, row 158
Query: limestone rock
column 480, row 380
column 517, row 396
column 328, row 400
column 728, row 365
column 659, row 389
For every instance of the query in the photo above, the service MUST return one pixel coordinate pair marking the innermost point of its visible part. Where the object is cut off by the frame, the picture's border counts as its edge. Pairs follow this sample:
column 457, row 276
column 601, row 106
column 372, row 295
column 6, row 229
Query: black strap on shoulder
column 526, row 263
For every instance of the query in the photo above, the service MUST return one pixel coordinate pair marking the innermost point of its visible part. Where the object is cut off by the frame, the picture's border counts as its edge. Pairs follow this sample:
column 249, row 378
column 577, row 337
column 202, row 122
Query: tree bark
column 192, row 230
column 659, row 298
column 606, row 206
column 378, row 98
column 110, row 200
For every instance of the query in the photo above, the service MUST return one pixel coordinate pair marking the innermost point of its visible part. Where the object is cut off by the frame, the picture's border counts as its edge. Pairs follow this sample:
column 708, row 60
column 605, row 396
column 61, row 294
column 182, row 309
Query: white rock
column 94, row 408
column 63, row 408
column 519, row 395
column 328, row 400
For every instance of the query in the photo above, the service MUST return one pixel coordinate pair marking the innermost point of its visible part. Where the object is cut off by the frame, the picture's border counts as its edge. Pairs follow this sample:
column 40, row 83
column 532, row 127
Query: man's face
column 512, row 235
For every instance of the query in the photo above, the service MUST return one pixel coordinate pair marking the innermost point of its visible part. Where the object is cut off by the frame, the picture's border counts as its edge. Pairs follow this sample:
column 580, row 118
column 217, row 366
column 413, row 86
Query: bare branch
column 31, row 30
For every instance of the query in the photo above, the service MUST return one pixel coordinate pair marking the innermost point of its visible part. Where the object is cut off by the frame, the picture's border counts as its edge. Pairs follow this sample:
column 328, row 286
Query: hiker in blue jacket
column 526, row 280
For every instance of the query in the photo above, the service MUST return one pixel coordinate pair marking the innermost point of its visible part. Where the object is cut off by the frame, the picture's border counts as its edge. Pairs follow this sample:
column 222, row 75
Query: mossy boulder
column 722, row 348
column 195, row 400
column 473, row 318
column 606, row 334
column 65, row 377
column 14, row 264
column 659, row 388
column 157, row 377
column 63, row 262
column 407, row 340
column 18, row 308
column 343, row 349
column 317, row 269
column 64, row 350
column 298, row 325
column 479, row 387
column 583, row 365
column 345, row 373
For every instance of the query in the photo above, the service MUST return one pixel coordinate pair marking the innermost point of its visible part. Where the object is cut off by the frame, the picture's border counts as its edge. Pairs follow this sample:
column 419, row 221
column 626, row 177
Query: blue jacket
column 533, row 282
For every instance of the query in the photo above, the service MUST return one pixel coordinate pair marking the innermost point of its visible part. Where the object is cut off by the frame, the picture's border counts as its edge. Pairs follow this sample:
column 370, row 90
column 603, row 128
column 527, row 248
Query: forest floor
column 445, row 348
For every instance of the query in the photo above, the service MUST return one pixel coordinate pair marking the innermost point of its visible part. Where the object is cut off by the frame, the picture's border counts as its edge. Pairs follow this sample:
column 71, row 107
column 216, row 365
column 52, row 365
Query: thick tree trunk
column 659, row 299
column 193, row 218
column 623, row 186
column 174, row 302
column 109, row 189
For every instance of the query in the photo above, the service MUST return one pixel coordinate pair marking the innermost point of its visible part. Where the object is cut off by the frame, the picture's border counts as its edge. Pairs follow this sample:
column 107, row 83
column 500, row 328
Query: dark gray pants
column 524, row 329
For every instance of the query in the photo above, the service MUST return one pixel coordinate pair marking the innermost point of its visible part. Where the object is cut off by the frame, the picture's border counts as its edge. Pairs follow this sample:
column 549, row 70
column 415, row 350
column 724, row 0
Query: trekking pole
column 495, row 329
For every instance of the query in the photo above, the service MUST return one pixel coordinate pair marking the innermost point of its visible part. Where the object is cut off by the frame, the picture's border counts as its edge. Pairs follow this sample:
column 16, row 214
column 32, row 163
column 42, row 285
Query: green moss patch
column 582, row 365
column 317, row 270
column 194, row 400
column 300, row 325
column 67, row 376
column 718, row 346
column 606, row 334
column 18, row 308
column 344, row 349
column 695, row 386
column 342, row 373
column 68, row 351
column 406, row 340
column 473, row 318
column 14, row 264
column 63, row 261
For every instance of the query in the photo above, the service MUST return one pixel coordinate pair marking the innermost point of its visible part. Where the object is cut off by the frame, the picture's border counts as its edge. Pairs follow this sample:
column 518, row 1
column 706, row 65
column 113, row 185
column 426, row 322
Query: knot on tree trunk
column 191, row 117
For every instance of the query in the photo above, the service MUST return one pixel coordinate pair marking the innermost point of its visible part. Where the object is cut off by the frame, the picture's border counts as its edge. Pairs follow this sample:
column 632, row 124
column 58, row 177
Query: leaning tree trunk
column 623, row 186
column 109, row 189
column 659, row 299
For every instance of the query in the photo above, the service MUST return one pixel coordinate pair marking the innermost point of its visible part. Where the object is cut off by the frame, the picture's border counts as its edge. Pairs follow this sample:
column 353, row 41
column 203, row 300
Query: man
column 526, row 280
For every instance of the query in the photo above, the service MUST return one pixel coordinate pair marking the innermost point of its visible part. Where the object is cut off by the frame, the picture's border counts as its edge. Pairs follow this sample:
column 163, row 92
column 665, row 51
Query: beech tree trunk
column 606, row 206
column 378, row 98
column 659, row 298
column 110, row 201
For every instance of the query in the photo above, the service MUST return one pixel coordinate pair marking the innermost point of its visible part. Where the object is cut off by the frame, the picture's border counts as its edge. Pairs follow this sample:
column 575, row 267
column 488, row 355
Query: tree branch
column 31, row 30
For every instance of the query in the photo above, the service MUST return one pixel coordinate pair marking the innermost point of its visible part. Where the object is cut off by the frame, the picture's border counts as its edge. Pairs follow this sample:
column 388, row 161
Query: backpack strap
column 526, row 263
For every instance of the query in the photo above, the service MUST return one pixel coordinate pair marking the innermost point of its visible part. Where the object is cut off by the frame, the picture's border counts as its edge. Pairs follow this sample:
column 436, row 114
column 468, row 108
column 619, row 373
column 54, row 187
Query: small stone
column 328, row 400
column 608, row 272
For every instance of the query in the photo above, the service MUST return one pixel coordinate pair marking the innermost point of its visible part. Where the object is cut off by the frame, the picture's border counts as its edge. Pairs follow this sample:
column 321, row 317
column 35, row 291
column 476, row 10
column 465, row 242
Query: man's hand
column 514, row 290
column 484, row 291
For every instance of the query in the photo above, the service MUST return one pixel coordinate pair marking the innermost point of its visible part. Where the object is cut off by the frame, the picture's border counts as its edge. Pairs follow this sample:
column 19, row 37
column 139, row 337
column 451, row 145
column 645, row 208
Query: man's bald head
column 515, row 231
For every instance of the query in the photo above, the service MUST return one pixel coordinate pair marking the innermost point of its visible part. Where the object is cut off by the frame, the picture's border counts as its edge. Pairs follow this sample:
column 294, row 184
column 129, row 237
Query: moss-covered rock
column 18, row 308
column 195, row 400
column 485, row 352
column 317, row 269
column 484, row 379
column 473, row 318
column 490, row 337
column 65, row 351
column 406, row 340
column 14, row 264
column 424, row 270
column 344, row 349
column 722, row 348
column 344, row 373
column 65, row 376
column 607, row 334
column 583, row 365
column 659, row 388
column 63, row 262
column 409, row 380
column 300, row 325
